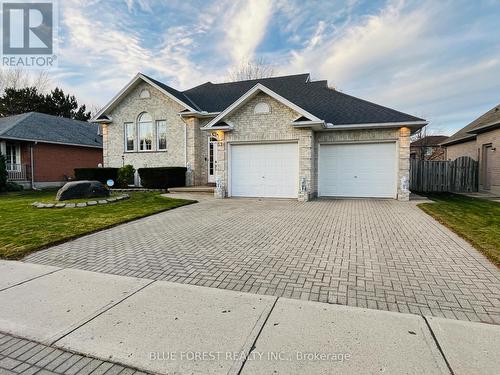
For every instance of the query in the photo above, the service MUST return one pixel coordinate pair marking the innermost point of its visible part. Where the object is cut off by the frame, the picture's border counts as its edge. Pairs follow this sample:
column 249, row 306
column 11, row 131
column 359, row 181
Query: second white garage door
column 264, row 170
column 358, row 170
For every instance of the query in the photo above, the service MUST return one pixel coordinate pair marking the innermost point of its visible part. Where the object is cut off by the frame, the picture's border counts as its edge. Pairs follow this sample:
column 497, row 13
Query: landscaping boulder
column 82, row 189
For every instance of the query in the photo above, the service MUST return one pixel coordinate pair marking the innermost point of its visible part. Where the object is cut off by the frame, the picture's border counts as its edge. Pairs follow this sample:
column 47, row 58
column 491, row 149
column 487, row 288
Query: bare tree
column 425, row 141
column 250, row 69
column 94, row 109
column 20, row 78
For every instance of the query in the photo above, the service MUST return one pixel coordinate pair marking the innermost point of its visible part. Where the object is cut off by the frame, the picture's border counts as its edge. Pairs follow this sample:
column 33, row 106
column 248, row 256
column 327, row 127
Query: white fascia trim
column 305, row 124
column 198, row 114
column 103, row 121
column 223, row 128
column 50, row 142
column 253, row 91
column 377, row 125
column 127, row 87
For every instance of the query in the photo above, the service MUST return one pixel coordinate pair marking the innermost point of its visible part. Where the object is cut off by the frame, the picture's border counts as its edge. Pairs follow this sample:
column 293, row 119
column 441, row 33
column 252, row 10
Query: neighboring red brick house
column 43, row 150
column 428, row 148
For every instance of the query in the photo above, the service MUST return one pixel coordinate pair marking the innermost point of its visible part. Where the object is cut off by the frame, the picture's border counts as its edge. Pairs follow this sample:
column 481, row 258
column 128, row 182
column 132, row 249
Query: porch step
column 192, row 189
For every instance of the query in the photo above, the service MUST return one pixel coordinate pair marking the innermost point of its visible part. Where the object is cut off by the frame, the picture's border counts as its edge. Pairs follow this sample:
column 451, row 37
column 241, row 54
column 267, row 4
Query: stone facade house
column 479, row 140
column 282, row 137
column 43, row 150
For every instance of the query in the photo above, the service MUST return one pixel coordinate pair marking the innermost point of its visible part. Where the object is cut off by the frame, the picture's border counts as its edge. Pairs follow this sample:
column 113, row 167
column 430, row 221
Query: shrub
column 162, row 177
column 3, row 173
column 125, row 176
column 96, row 174
column 12, row 186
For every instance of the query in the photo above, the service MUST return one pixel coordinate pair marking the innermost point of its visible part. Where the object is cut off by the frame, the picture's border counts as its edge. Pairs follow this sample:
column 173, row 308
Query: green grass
column 475, row 220
column 24, row 229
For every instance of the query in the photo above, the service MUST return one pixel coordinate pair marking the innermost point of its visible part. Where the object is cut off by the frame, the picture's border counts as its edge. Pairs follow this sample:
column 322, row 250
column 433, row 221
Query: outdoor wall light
column 219, row 136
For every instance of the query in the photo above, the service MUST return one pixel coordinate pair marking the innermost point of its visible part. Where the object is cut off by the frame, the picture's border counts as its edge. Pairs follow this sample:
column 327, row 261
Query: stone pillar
column 306, row 165
column 404, row 165
column 192, row 151
column 105, row 146
column 220, row 191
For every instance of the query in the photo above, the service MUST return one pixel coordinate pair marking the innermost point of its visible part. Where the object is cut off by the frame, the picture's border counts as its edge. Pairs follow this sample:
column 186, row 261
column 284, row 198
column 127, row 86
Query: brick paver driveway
column 379, row 254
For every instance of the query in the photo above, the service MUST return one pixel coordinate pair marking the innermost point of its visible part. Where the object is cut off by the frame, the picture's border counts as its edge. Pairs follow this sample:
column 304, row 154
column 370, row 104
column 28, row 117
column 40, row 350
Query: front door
column 487, row 167
column 212, row 159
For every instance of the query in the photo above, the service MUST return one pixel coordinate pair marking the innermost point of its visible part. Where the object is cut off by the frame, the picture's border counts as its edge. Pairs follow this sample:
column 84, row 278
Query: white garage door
column 264, row 170
column 358, row 170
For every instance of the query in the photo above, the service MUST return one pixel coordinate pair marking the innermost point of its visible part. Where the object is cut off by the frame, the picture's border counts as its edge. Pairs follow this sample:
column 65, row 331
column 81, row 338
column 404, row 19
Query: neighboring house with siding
column 43, row 150
column 428, row 148
column 479, row 140
column 284, row 137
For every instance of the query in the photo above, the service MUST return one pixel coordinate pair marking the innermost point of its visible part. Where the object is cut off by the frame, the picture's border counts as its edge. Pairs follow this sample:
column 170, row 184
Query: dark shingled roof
column 430, row 140
column 34, row 126
column 179, row 95
column 315, row 97
column 467, row 133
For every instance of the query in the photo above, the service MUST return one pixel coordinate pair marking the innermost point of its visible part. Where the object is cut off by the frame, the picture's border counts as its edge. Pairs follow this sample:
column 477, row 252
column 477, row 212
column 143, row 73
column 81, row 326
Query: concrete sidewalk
column 164, row 327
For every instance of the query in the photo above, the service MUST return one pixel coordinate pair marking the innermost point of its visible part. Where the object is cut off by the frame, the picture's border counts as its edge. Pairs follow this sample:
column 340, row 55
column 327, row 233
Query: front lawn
column 476, row 220
column 24, row 229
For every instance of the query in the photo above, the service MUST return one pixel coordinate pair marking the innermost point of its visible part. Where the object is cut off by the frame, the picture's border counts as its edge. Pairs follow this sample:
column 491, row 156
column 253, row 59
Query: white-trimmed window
column 129, row 136
column 161, row 135
column 145, row 130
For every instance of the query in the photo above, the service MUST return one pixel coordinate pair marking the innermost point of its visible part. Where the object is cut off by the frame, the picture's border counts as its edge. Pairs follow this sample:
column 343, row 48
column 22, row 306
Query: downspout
column 33, row 187
column 185, row 140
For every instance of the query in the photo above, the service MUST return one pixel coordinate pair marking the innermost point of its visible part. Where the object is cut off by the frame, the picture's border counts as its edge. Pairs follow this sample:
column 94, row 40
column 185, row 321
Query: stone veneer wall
column 274, row 126
column 186, row 143
column 160, row 107
column 400, row 136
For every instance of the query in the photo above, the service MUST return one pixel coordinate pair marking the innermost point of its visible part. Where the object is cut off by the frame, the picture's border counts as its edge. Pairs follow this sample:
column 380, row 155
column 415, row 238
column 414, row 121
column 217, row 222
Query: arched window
column 262, row 108
column 145, row 129
column 145, row 94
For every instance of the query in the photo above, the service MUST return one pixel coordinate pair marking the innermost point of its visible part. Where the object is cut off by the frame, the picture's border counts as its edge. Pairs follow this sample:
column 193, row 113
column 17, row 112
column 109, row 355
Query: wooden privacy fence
column 459, row 175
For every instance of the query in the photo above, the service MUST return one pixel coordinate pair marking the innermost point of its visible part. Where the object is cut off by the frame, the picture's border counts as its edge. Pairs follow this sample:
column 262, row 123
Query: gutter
column 199, row 114
column 50, row 142
column 223, row 128
column 460, row 140
column 315, row 125
column 485, row 128
column 377, row 125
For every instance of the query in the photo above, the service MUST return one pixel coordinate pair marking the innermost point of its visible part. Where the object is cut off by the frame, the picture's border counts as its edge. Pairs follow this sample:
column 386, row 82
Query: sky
column 439, row 60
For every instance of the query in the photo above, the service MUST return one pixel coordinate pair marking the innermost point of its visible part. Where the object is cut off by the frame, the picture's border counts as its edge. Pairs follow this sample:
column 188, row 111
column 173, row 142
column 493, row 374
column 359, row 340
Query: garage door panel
column 358, row 170
column 264, row 170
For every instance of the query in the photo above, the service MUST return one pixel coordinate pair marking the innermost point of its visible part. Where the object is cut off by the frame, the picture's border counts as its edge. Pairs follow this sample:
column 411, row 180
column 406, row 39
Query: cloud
column 99, row 55
column 247, row 27
column 437, row 60
column 423, row 58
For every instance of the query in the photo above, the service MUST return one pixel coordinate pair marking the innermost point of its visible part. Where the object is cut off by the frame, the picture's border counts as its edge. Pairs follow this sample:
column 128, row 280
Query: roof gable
column 489, row 118
column 249, row 95
column 216, row 97
column 312, row 99
column 177, row 96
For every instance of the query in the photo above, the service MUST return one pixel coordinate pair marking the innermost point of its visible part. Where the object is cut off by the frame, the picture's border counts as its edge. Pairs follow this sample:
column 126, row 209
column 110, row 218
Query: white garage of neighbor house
column 281, row 137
